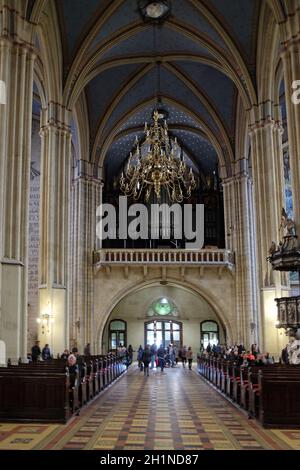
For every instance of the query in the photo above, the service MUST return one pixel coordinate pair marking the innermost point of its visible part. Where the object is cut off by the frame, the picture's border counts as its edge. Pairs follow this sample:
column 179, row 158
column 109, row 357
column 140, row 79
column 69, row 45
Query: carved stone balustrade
column 206, row 258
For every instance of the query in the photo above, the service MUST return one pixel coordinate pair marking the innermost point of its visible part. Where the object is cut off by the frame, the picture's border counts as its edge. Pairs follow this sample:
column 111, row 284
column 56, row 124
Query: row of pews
column 270, row 393
column 50, row 391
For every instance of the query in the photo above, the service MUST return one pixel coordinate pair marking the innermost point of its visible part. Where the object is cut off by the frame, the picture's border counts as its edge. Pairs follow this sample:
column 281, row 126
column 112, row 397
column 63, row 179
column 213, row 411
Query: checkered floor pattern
column 176, row 410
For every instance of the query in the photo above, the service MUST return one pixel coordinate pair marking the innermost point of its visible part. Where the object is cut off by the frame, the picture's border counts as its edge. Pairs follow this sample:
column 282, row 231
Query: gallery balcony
column 220, row 259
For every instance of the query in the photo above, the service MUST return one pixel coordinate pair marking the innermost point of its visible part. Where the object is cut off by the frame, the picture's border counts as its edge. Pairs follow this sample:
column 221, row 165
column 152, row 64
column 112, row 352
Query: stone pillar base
column 13, row 317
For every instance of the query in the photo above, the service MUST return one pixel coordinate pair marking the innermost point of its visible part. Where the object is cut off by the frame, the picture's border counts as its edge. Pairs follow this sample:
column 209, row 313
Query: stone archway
column 185, row 296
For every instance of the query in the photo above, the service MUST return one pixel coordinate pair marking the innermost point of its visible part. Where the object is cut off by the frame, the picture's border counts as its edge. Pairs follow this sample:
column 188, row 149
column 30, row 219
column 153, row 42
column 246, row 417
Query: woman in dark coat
column 146, row 358
column 161, row 357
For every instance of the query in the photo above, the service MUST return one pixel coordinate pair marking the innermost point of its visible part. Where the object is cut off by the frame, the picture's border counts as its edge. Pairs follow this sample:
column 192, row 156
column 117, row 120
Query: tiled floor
column 173, row 410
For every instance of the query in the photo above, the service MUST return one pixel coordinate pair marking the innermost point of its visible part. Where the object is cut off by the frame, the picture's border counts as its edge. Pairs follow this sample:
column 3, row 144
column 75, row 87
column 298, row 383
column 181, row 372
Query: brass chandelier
column 160, row 169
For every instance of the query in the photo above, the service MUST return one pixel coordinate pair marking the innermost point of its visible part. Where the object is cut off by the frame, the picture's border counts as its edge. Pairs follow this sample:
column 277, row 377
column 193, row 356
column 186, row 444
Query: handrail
column 163, row 256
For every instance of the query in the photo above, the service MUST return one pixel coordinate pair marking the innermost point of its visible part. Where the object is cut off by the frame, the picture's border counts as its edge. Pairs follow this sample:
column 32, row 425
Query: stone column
column 267, row 163
column 291, row 66
column 239, row 232
column 86, row 196
column 54, row 225
column 16, row 71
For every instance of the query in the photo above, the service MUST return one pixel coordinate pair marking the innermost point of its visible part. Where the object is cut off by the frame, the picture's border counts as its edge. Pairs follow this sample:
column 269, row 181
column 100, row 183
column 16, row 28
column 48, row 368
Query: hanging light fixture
column 160, row 168
column 158, row 164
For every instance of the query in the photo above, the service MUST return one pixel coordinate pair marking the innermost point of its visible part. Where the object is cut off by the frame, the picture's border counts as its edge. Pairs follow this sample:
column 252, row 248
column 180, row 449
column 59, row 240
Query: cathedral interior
column 186, row 102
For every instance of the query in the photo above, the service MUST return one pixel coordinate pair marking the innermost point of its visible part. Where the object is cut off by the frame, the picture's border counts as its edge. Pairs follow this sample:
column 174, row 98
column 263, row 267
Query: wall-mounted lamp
column 45, row 320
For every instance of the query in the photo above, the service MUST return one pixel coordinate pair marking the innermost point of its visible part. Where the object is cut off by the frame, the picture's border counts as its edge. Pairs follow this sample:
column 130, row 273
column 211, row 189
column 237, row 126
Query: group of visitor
column 37, row 354
column 163, row 357
column 239, row 353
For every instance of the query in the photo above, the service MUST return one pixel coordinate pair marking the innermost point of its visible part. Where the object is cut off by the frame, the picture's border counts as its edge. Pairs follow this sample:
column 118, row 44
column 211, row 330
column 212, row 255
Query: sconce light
column 46, row 319
column 229, row 231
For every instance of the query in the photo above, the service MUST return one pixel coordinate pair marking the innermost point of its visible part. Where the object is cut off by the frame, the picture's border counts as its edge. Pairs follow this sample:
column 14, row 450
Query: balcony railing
column 121, row 257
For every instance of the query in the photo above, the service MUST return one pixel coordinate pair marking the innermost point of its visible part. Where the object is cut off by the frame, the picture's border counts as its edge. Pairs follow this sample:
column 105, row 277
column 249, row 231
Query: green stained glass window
column 163, row 307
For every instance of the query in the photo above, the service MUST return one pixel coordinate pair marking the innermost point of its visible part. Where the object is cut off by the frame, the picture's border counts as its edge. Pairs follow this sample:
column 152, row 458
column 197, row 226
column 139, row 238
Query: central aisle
column 173, row 410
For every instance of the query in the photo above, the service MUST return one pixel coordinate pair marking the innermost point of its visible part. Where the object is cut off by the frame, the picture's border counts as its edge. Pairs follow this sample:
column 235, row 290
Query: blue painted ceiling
column 76, row 16
column 174, row 117
column 101, row 90
column 215, row 85
column 238, row 17
column 167, row 41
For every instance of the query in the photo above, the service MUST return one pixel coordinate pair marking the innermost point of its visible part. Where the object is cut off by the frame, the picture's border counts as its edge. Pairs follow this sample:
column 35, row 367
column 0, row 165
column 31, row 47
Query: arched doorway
column 117, row 334
column 209, row 333
column 165, row 313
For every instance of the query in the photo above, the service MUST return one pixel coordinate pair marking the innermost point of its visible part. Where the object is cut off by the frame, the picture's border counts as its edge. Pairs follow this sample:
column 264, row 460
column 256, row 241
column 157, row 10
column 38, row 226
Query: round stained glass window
column 163, row 307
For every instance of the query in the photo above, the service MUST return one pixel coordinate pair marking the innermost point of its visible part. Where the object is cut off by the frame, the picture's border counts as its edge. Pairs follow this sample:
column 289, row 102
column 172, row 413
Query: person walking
column 139, row 357
column 146, row 358
column 130, row 353
column 161, row 357
column 153, row 350
column 189, row 356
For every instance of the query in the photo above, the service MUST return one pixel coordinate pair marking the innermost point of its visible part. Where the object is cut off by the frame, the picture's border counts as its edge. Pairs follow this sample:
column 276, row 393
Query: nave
column 176, row 410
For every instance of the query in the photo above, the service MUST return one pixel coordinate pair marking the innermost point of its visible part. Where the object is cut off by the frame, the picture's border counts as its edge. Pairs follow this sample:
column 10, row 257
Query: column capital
column 23, row 47
column 88, row 171
column 57, row 117
column 292, row 45
column 264, row 124
column 242, row 176
column 263, row 115
column 14, row 27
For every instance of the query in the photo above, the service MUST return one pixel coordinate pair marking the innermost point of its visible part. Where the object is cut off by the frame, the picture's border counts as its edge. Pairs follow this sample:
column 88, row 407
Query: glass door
column 163, row 332
column 209, row 333
column 117, row 334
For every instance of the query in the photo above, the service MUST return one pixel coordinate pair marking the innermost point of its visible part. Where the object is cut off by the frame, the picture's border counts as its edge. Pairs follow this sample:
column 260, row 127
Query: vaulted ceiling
column 206, row 53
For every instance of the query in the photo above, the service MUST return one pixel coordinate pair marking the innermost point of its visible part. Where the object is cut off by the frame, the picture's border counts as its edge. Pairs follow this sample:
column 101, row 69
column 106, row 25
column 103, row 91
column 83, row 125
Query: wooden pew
column 236, row 384
column 34, row 396
column 48, row 391
column 277, row 396
column 50, row 367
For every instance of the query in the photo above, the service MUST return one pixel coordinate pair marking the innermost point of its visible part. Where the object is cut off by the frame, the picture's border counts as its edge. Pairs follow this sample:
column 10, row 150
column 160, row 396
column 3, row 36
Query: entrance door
column 163, row 332
column 211, row 338
column 117, row 334
column 209, row 333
